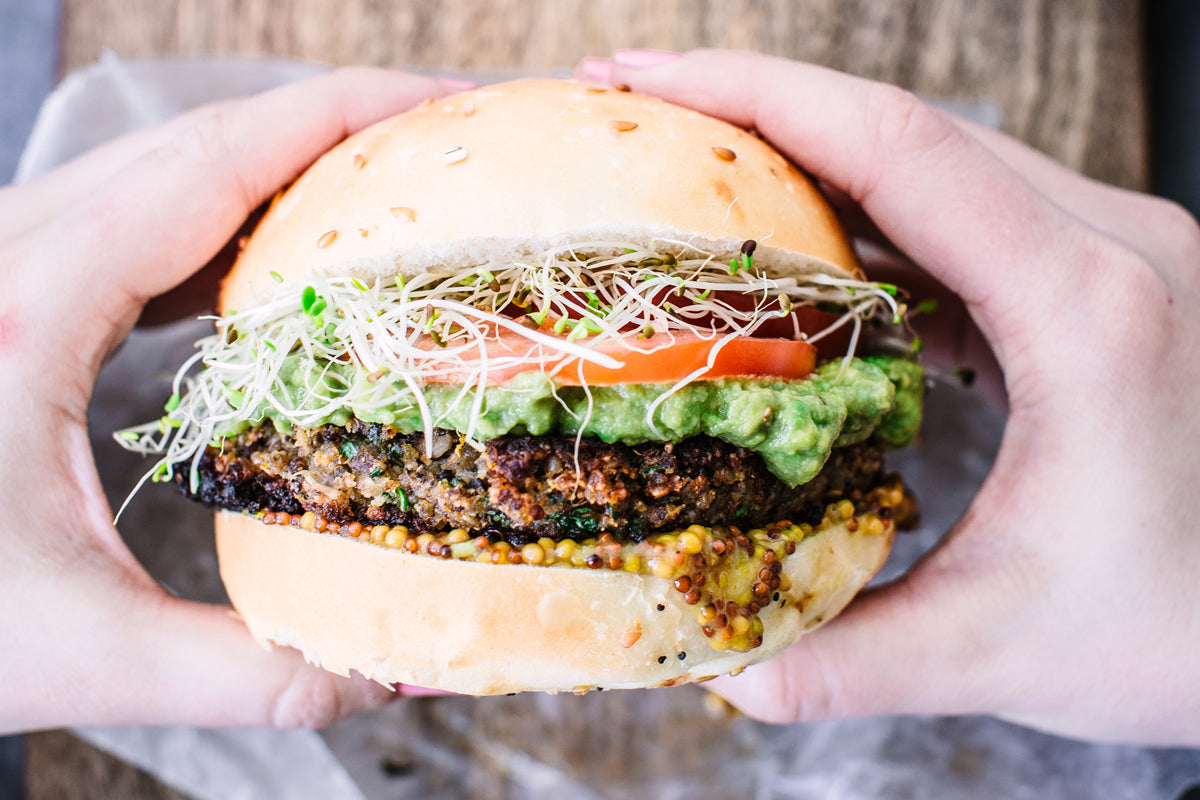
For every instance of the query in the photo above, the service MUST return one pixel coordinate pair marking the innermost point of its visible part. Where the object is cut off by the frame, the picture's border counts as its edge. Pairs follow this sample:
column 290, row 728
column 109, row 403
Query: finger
column 197, row 295
column 158, row 220
column 855, row 221
column 211, row 672
column 1134, row 218
column 24, row 207
column 915, row 174
column 1098, row 204
column 141, row 657
column 914, row 647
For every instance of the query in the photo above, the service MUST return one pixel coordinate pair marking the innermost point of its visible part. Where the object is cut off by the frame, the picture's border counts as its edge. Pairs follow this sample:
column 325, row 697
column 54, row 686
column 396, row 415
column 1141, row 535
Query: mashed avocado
column 900, row 424
column 792, row 424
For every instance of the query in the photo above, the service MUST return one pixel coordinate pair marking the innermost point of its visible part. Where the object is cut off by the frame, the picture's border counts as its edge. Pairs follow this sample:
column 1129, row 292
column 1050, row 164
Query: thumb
column 141, row 657
column 206, row 669
column 109, row 647
column 914, row 646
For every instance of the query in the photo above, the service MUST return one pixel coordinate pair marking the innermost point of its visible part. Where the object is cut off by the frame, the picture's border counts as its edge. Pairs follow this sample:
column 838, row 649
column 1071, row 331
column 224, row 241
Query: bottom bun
column 477, row 628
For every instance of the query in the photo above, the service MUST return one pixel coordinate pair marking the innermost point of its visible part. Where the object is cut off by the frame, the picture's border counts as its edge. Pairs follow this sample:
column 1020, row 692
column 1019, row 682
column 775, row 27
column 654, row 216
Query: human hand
column 1067, row 597
column 89, row 637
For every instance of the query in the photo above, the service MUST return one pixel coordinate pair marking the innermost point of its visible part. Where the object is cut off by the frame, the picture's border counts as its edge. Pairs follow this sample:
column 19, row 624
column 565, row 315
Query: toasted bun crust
column 514, row 169
column 483, row 629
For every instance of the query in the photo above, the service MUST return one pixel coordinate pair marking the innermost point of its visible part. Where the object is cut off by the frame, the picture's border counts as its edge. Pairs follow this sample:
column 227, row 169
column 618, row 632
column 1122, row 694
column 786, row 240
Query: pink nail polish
column 639, row 59
column 598, row 70
column 417, row 691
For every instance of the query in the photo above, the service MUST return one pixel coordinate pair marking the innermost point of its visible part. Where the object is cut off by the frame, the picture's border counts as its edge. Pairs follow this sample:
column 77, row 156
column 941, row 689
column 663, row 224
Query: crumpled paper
column 654, row 744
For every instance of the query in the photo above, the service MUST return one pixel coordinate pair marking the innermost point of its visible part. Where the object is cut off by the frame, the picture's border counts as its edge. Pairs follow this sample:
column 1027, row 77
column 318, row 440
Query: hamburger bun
column 483, row 629
column 518, row 168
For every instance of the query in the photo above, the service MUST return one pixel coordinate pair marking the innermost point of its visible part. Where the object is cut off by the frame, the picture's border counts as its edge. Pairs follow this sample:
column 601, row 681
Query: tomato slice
column 667, row 362
column 661, row 358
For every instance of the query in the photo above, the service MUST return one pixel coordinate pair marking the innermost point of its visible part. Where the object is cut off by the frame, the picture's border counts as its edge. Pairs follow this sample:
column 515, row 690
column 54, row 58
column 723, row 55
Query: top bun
column 514, row 169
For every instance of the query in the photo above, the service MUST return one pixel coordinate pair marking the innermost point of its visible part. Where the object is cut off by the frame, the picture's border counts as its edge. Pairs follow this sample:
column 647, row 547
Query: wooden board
column 1066, row 75
column 60, row 766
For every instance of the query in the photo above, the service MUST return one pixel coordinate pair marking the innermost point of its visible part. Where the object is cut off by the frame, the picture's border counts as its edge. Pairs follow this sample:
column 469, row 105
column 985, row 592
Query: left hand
column 89, row 637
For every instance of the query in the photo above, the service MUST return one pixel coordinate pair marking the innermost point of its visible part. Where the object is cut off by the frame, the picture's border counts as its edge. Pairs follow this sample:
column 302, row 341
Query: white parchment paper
column 651, row 744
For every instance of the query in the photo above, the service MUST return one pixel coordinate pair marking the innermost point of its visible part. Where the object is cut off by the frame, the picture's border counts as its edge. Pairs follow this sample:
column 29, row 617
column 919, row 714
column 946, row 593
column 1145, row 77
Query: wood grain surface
column 1064, row 75
column 60, row 766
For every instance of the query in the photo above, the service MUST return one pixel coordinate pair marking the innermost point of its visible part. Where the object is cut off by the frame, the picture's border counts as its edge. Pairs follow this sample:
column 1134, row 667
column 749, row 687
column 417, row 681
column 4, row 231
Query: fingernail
column 408, row 690
column 595, row 69
column 639, row 59
column 457, row 85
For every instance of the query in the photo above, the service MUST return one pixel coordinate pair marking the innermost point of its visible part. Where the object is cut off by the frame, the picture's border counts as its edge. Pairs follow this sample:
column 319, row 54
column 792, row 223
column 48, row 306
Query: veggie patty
column 518, row 488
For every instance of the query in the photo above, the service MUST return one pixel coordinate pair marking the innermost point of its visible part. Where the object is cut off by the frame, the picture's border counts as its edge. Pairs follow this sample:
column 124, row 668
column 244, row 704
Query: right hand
column 1068, row 596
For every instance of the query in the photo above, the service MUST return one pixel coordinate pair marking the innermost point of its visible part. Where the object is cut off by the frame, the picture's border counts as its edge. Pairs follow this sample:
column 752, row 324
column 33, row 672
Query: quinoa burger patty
column 518, row 488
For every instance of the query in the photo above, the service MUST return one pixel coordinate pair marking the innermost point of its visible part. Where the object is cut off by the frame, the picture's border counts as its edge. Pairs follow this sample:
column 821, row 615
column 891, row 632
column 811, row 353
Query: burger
column 545, row 386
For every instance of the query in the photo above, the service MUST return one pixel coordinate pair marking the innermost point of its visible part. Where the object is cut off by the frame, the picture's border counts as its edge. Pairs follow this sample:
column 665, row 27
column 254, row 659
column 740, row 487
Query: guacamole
column 793, row 425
